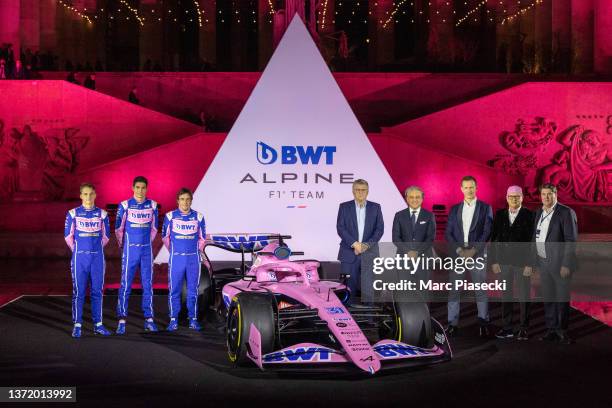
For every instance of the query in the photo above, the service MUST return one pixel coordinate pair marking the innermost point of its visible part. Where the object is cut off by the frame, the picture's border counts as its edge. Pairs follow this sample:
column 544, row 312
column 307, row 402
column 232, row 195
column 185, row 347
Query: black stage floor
column 187, row 368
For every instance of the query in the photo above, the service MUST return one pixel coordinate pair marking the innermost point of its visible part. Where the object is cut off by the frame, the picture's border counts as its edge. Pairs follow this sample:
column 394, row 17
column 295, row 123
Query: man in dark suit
column 467, row 231
column 512, row 260
column 360, row 226
column 414, row 229
column 555, row 235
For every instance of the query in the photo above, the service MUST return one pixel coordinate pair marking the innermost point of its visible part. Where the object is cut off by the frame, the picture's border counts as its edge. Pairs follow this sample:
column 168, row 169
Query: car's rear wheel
column 246, row 309
column 412, row 324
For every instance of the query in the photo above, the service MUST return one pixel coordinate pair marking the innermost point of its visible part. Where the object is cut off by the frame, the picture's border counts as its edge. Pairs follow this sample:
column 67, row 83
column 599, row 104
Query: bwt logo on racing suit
column 295, row 154
column 88, row 224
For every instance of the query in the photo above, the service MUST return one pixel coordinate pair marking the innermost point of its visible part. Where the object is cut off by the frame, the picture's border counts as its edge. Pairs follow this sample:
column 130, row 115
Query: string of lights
column 395, row 9
column 198, row 14
column 75, row 11
column 522, row 11
column 469, row 13
column 323, row 15
column 196, row 4
column 271, row 7
column 133, row 11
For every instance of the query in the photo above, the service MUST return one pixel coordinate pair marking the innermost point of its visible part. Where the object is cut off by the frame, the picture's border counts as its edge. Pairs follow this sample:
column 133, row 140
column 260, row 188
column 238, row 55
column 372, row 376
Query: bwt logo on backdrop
column 295, row 154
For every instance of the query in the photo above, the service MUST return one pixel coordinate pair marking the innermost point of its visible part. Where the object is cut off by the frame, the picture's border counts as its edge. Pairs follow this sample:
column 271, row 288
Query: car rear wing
column 243, row 242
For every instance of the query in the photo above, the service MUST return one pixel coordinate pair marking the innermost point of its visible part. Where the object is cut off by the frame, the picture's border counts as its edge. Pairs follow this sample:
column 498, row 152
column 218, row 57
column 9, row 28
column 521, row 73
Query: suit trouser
column 510, row 274
column 556, row 294
column 354, row 270
column 477, row 275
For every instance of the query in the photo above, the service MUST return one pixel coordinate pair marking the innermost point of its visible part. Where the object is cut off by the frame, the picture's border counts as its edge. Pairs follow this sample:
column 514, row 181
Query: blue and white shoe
column 173, row 325
column 150, row 326
column 76, row 331
column 194, row 324
column 120, row 329
column 101, row 330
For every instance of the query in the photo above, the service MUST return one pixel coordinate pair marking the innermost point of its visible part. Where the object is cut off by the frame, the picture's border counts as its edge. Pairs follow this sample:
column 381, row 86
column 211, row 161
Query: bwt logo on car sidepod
column 266, row 154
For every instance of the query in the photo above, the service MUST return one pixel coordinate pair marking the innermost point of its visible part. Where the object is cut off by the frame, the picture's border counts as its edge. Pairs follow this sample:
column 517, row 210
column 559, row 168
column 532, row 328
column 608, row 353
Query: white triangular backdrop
column 295, row 103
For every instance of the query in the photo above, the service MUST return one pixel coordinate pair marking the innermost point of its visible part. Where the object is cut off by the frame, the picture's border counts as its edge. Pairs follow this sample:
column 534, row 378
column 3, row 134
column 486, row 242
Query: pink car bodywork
column 300, row 280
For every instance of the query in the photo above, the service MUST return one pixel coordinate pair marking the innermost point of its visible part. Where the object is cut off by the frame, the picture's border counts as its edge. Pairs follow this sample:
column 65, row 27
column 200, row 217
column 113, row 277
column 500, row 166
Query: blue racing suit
column 135, row 228
column 184, row 236
column 86, row 232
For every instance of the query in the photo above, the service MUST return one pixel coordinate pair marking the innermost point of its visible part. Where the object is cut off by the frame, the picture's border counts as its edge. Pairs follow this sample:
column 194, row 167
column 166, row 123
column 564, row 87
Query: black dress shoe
column 504, row 334
column 452, row 330
column 485, row 333
column 550, row 336
column 565, row 339
column 522, row 335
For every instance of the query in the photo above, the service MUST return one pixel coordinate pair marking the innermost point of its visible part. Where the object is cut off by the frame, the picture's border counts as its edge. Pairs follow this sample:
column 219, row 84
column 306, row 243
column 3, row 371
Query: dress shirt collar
column 511, row 211
column 361, row 206
column 470, row 204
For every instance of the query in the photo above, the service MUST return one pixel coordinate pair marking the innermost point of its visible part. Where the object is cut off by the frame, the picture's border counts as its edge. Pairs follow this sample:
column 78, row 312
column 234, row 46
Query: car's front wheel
column 246, row 309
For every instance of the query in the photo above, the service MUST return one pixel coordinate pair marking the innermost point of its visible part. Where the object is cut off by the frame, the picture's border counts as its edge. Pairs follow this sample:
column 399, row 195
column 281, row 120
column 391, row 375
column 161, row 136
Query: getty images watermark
column 413, row 272
column 405, row 264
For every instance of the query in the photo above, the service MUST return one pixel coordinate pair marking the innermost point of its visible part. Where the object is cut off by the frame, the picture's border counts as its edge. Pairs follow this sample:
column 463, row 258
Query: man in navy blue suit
column 468, row 229
column 360, row 226
column 555, row 235
column 414, row 229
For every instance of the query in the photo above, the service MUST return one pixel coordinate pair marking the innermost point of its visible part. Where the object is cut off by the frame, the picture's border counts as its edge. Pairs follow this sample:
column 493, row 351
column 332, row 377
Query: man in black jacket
column 512, row 260
column 555, row 235
column 414, row 230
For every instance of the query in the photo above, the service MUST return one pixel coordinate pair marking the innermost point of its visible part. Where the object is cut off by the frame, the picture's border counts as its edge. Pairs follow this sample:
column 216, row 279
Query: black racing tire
column 413, row 324
column 247, row 308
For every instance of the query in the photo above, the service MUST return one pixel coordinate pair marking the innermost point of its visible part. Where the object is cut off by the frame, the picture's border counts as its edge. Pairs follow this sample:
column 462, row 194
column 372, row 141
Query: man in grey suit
column 414, row 229
column 555, row 235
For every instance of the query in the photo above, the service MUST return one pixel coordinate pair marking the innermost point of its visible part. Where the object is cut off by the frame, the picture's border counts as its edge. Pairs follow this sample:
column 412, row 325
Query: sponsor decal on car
column 299, row 354
column 440, row 338
column 334, row 310
column 399, row 350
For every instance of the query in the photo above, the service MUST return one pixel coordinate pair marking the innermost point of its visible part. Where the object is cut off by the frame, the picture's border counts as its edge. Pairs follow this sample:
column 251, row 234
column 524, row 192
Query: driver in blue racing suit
column 135, row 228
column 184, row 233
column 86, row 232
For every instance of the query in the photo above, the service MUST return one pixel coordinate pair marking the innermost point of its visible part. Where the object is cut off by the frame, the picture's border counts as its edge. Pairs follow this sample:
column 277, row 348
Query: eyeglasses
column 514, row 197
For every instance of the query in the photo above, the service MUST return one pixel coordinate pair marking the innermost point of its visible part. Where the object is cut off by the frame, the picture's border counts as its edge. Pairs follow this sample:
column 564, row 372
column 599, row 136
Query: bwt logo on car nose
column 295, row 154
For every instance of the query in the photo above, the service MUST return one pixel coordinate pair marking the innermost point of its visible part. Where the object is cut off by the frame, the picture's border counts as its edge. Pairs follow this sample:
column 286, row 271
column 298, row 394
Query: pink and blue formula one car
column 280, row 313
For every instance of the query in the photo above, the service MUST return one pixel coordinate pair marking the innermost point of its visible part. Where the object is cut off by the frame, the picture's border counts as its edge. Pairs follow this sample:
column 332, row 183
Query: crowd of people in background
column 21, row 67
column 28, row 64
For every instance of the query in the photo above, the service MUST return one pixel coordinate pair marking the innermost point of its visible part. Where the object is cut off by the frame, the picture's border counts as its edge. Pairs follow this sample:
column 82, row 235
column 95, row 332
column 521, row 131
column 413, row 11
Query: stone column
column 381, row 49
column 440, row 31
column 208, row 31
column 30, row 25
column 151, row 39
column 603, row 36
column 561, row 35
column 10, row 11
column 582, row 36
column 543, row 36
column 48, row 35
column 265, row 24
column 326, row 27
